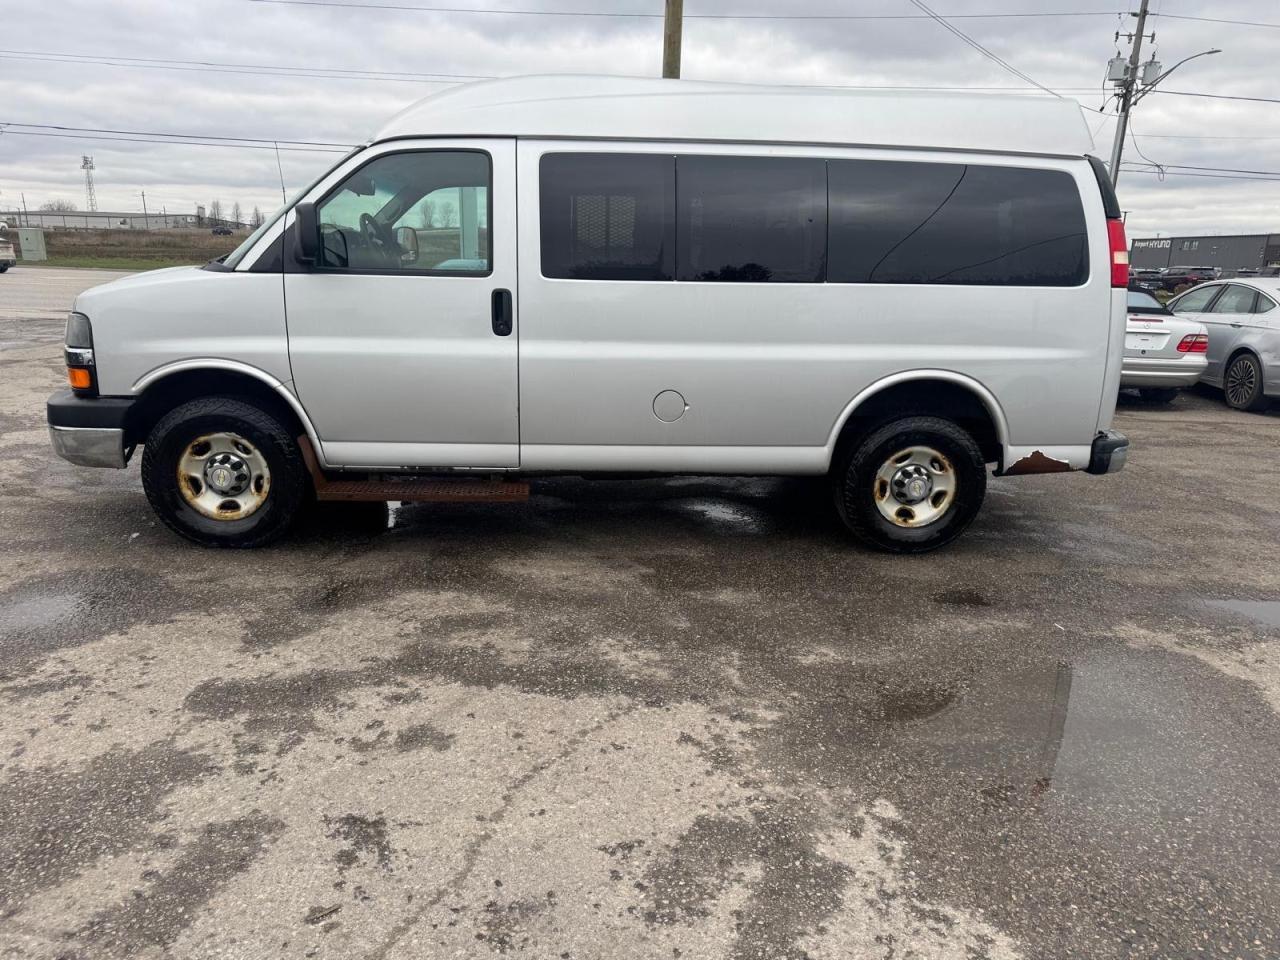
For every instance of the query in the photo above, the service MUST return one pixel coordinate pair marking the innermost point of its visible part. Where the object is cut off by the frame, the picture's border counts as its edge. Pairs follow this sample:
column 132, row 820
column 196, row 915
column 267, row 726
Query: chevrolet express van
column 603, row 276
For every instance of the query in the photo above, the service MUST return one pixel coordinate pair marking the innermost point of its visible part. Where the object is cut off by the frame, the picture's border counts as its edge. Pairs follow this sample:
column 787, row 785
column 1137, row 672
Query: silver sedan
column 1244, row 337
column 1162, row 352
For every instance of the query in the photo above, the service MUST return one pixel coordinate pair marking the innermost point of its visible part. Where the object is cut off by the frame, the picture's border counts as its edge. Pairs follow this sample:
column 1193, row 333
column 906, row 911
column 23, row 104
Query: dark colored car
column 1176, row 278
column 1149, row 279
column 221, row 231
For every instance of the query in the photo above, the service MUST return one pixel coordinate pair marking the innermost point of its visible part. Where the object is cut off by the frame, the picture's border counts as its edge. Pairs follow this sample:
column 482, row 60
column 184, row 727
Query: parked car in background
column 1151, row 279
column 1162, row 352
column 221, row 231
column 1244, row 337
column 1176, row 278
column 7, row 257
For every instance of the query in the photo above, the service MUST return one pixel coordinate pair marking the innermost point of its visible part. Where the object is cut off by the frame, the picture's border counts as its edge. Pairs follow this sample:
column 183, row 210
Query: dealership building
column 1252, row 251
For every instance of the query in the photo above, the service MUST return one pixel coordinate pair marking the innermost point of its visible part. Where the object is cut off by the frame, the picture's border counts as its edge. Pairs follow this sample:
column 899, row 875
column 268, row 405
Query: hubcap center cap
column 911, row 484
column 227, row 474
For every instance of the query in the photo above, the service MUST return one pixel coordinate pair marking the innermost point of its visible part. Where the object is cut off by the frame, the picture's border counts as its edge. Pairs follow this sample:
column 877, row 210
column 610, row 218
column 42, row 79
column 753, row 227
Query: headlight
column 79, row 354
column 79, row 333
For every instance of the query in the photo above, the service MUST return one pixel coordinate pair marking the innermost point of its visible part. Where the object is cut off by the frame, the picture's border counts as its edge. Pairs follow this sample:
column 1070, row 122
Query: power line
column 406, row 76
column 192, row 136
column 99, row 138
column 1210, row 176
column 1215, row 96
column 1238, row 23
column 688, row 16
column 981, row 49
column 268, row 70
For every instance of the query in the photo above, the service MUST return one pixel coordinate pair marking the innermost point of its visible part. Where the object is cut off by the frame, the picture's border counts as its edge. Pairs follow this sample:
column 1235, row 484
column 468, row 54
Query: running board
column 411, row 489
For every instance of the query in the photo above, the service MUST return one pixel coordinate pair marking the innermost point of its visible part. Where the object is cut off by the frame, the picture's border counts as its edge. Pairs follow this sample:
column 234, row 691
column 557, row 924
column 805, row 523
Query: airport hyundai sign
column 1151, row 244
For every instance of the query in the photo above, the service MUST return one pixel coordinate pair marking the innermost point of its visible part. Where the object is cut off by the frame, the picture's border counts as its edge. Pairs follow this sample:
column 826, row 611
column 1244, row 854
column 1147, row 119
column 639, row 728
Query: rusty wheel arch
column 927, row 394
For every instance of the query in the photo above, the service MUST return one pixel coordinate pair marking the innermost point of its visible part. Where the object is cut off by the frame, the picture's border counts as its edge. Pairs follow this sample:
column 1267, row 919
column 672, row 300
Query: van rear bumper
column 1110, row 450
column 89, row 431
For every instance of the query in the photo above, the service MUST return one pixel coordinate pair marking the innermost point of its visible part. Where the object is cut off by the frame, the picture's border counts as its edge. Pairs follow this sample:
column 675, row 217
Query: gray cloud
column 1065, row 53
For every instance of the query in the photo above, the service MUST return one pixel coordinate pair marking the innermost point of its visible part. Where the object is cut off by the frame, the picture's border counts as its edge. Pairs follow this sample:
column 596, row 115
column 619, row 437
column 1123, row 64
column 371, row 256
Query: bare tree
column 215, row 211
column 235, row 213
column 255, row 219
column 59, row 206
column 428, row 214
column 448, row 214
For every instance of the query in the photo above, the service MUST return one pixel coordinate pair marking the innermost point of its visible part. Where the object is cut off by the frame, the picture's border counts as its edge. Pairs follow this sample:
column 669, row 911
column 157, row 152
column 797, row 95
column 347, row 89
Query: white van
column 601, row 275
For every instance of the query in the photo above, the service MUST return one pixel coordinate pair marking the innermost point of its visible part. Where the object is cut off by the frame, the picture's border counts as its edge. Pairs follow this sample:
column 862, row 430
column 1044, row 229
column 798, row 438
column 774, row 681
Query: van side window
column 751, row 219
column 607, row 216
column 951, row 223
column 421, row 211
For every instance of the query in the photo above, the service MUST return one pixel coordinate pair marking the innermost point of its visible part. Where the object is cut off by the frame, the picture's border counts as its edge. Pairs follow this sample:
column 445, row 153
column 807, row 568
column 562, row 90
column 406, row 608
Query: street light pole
column 1126, row 97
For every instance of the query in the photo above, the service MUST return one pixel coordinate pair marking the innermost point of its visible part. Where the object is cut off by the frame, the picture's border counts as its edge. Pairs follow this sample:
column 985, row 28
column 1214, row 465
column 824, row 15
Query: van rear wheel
column 911, row 485
column 223, row 473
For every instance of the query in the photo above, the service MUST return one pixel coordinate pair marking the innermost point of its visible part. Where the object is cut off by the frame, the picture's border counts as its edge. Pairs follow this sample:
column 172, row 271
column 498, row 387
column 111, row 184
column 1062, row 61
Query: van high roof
column 603, row 107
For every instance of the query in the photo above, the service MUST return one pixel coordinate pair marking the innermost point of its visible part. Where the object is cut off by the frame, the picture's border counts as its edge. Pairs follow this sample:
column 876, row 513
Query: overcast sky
column 42, row 82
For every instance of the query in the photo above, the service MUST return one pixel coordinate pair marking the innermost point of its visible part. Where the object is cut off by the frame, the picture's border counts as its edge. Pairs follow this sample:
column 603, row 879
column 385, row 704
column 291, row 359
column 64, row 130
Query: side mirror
column 407, row 240
column 307, row 232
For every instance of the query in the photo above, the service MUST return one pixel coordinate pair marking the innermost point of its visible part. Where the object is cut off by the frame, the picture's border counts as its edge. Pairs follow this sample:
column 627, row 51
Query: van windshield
column 235, row 256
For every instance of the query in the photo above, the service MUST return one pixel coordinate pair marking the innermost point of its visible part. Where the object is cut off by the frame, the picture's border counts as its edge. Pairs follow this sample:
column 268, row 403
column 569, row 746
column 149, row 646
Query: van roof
column 603, row 107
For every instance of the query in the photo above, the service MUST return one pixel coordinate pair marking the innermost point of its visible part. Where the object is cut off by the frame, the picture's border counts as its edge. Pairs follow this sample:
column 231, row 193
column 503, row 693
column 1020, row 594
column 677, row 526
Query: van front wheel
column 912, row 485
column 223, row 473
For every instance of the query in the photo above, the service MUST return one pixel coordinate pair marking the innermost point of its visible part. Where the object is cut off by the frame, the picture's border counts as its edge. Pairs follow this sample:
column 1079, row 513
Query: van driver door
column 402, row 332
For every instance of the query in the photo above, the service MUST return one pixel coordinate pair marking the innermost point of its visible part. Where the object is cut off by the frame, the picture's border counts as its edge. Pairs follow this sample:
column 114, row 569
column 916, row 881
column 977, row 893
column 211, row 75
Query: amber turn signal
column 80, row 378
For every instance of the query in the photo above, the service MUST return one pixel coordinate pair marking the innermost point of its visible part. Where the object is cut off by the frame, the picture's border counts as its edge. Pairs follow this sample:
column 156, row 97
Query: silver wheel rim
column 915, row 487
column 223, row 476
column 1241, row 382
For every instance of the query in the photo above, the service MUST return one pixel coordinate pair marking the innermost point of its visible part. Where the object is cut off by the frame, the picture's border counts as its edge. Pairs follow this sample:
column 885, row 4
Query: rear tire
column 1242, row 384
column 1158, row 394
column 264, row 480
column 911, row 485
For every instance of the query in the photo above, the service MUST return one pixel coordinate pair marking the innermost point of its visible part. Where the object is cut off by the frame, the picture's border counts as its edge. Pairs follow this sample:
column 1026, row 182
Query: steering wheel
column 374, row 234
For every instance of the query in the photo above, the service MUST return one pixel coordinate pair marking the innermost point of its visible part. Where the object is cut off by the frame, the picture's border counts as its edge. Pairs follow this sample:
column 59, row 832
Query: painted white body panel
column 763, row 364
column 644, row 108
column 151, row 320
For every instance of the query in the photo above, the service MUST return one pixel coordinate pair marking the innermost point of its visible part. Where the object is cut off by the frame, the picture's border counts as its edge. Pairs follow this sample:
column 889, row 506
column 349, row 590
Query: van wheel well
column 925, row 397
column 178, row 388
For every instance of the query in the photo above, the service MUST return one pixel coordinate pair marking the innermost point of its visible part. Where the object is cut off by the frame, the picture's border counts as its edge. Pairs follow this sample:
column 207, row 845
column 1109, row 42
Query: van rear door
column 402, row 333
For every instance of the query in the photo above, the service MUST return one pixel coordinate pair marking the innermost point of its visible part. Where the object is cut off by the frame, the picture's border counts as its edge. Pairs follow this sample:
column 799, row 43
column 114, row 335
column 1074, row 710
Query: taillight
column 1119, row 253
column 1194, row 343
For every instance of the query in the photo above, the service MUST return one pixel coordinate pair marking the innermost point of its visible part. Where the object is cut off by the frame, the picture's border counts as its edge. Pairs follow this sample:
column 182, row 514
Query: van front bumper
column 89, row 431
column 1110, row 451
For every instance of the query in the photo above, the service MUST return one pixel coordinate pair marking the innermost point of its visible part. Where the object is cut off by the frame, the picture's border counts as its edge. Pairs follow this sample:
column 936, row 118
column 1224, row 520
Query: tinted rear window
column 751, row 219
column 607, row 216
column 898, row 222
column 1140, row 302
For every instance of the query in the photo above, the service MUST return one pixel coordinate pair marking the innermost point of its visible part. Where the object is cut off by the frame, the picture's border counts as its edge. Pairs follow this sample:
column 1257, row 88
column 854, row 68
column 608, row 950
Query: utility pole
column 1126, row 96
column 146, row 220
column 672, row 29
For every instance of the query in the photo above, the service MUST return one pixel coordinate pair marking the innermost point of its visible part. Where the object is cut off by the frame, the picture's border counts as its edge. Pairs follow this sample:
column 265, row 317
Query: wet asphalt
column 678, row 718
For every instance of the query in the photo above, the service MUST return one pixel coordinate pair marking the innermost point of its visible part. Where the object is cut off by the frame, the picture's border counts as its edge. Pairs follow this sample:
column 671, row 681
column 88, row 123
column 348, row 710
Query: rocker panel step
column 415, row 490
column 426, row 491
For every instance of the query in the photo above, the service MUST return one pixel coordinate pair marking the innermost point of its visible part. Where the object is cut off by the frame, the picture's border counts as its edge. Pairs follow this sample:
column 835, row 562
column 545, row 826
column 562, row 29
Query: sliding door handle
column 502, row 313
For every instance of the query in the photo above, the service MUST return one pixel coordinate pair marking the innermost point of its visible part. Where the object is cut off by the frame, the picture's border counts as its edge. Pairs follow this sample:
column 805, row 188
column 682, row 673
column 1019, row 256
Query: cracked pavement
column 642, row 719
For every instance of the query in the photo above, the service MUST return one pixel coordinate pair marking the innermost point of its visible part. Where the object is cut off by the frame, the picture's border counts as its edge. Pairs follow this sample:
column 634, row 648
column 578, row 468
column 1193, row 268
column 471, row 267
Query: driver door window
column 424, row 212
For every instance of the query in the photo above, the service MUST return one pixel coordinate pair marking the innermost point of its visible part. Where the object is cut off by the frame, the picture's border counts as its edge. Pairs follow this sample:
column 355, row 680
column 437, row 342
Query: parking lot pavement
column 682, row 718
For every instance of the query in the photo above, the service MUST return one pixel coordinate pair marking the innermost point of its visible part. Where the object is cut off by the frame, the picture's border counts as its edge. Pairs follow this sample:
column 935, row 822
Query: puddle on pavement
column 723, row 514
column 1263, row 611
column 32, row 612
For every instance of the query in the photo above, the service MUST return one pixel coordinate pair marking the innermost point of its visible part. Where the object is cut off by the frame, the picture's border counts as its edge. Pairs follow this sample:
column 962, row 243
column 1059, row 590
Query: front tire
column 222, row 472
column 1242, row 385
column 912, row 485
